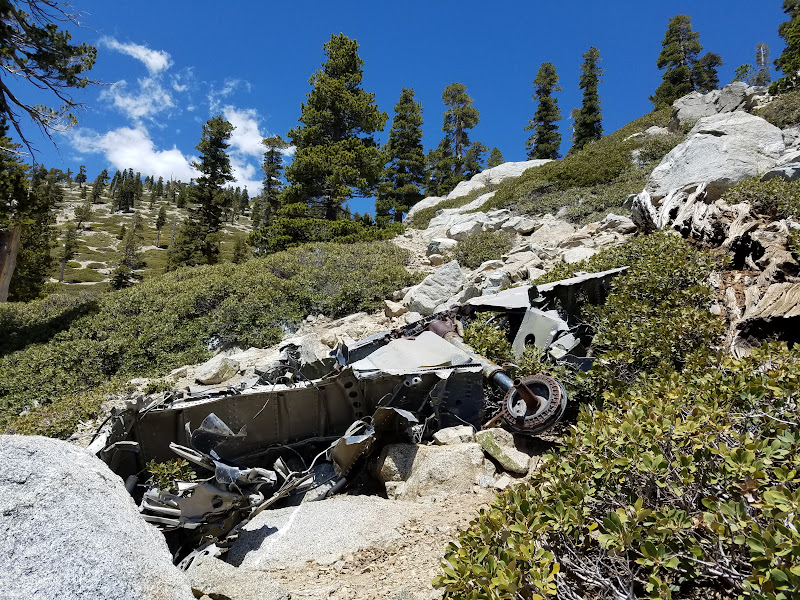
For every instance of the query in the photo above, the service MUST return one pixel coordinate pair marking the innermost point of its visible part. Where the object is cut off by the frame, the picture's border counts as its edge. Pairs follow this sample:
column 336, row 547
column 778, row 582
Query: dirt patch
column 400, row 572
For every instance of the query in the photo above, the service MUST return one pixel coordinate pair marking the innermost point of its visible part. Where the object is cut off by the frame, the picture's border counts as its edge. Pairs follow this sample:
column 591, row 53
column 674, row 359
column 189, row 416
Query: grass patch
column 776, row 198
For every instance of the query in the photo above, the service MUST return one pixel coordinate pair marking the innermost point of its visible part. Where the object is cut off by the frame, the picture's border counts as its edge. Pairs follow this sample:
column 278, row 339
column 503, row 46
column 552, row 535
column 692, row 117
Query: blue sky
column 173, row 64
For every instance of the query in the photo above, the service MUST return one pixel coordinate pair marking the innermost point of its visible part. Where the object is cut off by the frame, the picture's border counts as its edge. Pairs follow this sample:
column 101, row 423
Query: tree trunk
column 158, row 237
column 61, row 277
column 9, row 249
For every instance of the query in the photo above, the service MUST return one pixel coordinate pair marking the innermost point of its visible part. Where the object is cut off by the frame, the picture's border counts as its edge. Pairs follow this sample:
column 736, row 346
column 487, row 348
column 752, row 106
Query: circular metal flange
column 523, row 417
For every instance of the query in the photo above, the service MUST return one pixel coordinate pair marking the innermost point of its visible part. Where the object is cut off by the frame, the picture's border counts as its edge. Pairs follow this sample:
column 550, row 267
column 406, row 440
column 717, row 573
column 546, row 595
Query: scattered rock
column 551, row 233
column 436, row 259
column 217, row 579
column 441, row 246
column 435, row 289
column 71, row 530
column 617, row 224
column 499, row 444
column 216, row 370
column 410, row 471
column 462, row 231
column 393, row 309
column 576, row 255
column 461, row 434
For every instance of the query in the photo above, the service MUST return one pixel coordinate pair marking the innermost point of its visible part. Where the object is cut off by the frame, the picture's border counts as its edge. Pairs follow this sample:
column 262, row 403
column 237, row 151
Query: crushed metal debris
column 306, row 428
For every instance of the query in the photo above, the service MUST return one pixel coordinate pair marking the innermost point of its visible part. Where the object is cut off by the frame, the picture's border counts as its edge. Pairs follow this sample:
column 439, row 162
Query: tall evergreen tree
column 684, row 72
column 788, row 62
column 198, row 240
column 25, row 219
column 473, row 159
column 589, row 118
column 272, row 167
column 161, row 220
column 546, row 140
column 80, row 178
column 459, row 116
column 69, row 247
column 404, row 177
column 441, row 169
column 495, row 158
column 336, row 155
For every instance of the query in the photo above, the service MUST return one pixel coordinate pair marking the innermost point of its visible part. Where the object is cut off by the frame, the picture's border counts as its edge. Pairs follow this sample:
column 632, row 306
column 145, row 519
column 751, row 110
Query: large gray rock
column 462, row 231
column 320, row 531
column 216, row 370
column 410, row 471
column 551, row 233
column 215, row 578
column 460, row 434
column 719, row 151
column 441, row 246
column 694, row 106
column 576, row 255
column 435, row 289
column 70, row 530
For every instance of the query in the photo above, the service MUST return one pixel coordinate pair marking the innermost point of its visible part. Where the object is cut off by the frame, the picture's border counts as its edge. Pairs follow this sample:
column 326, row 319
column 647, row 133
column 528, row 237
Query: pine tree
column 25, row 220
column 198, row 239
column 495, row 158
column 546, row 140
column 788, row 62
column 404, row 177
column 589, row 119
column 336, row 156
column 272, row 168
column 473, row 159
column 161, row 220
column 83, row 213
column 80, row 178
column 240, row 251
column 684, row 72
column 459, row 117
column 69, row 247
column 441, row 171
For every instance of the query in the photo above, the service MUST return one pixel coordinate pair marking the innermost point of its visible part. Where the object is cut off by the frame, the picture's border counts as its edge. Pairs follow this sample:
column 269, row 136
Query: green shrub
column 777, row 198
column 288, row 232
column 783, row 111
column 686, row 487
column 165, row 476
column 478, row 248
column 656, row 147
column 60, row 351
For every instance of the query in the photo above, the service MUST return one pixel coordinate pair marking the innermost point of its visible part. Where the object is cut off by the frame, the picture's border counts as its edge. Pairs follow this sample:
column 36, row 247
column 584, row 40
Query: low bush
column 478, row 248
column 289, row 232
column 783, row 111
column 422, row 218
column 776, row 198
column 679, row 478
column 60, row 351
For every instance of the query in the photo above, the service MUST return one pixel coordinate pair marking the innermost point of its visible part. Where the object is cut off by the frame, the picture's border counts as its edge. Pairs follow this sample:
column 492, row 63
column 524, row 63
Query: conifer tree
column 459, row 117
column 198, row 239
column 788, row 62
column 80, row 178
column 684, row 72
column 546, row 140
column 240, row 250
column 404, row 177
column 336, row 155
column 473, row 159
column 69, row 247
column 272, row 168
column 83, row 213
column 441, row 172
column 25, row 219
column 161, row 220
column 589, row 119
column 495, row 158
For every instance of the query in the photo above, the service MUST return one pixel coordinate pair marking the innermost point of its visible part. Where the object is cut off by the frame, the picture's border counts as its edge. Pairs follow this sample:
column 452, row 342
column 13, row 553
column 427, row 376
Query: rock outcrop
column 719, row 151
column 737, row 96
column 71, row 530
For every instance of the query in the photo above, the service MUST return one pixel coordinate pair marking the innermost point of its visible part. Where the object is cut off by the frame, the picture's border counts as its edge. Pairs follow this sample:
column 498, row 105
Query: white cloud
column 132, row 148
column 155, row 60
column 246, row 137
column 228, row 87
column 245, row 175
column 150, row 99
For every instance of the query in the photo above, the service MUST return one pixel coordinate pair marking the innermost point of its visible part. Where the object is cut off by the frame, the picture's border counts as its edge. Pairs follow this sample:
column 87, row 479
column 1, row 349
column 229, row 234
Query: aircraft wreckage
column 293, row 428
